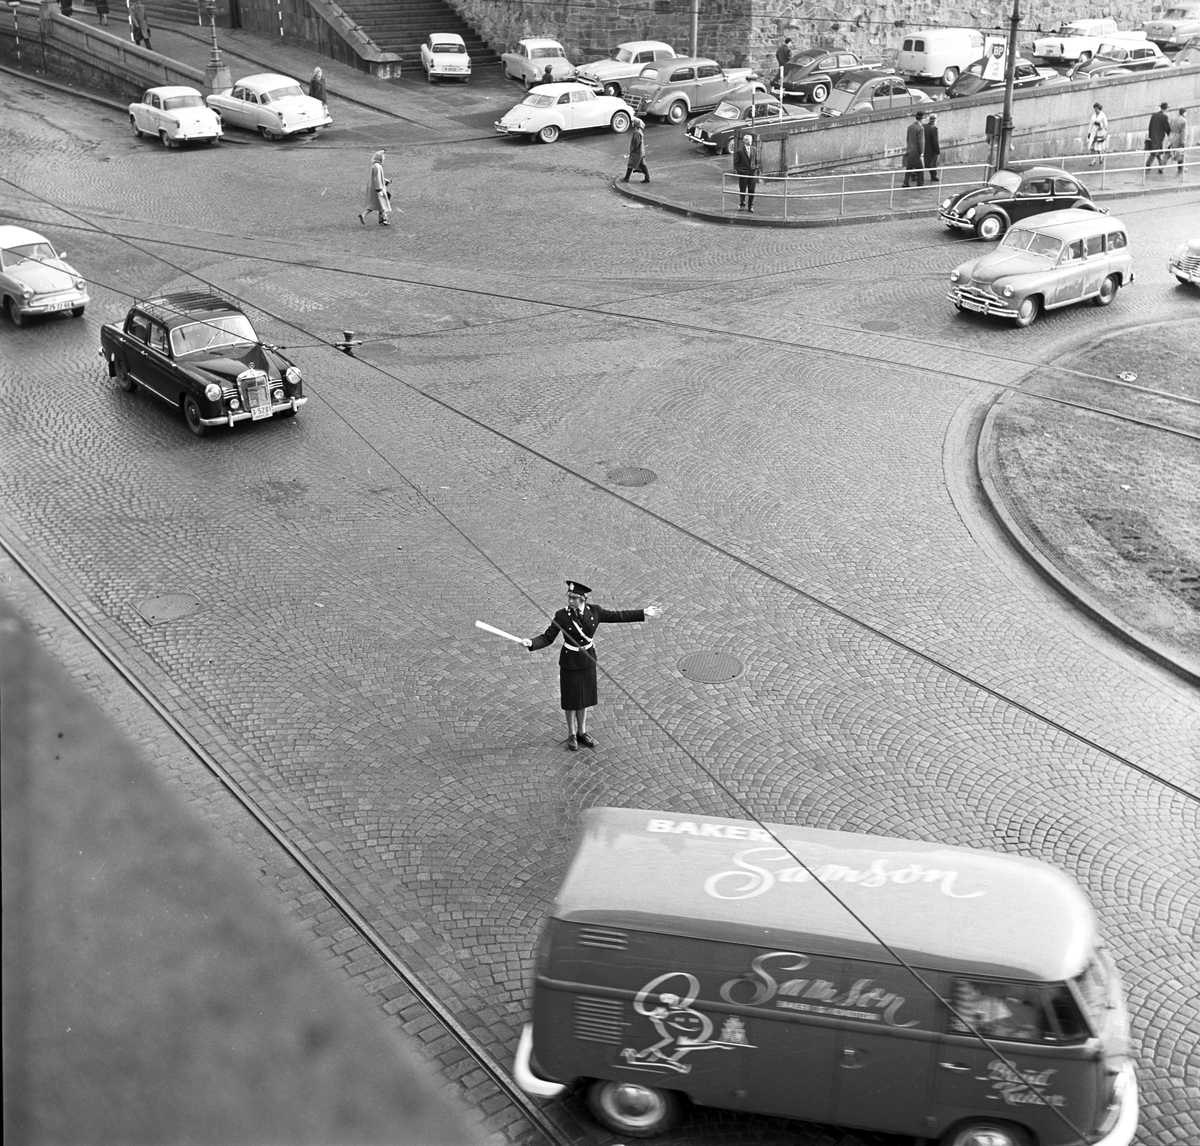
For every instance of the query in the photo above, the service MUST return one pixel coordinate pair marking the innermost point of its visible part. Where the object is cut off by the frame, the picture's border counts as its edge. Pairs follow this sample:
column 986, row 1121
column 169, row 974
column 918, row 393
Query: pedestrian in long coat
column 1157, row 131
column 636, row 159
column 914, row 148
column 138, row 23
column 102, row 11
column 378, row 198
column 1175, row 141
column 747, row 166
column 933, row 149
column 316, row 86
column 578, row 623
column 1097, row 136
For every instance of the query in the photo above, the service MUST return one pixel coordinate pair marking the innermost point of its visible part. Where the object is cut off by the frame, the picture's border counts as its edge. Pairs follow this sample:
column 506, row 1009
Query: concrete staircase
column 401, row 26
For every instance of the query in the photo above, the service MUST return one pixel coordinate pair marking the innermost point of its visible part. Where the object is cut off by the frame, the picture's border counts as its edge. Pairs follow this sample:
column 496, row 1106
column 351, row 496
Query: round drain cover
column 168, row 607
column 711, row 667
column 630, row 475
column 880, row 325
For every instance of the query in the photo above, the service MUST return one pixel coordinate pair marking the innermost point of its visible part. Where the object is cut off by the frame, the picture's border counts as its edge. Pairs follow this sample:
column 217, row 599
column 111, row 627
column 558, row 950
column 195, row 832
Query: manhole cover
column 880, row 325
column 168, row 607
column 711, row 667
column 630, row 475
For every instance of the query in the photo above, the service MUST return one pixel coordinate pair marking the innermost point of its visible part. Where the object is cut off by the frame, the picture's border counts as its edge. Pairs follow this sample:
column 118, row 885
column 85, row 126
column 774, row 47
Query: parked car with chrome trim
column 175, row 115
column 871, row 90
column 1011, row 195
column 1026, row 74
column 717, row 131
column 198, row 352
column 1119, row 59
column 444, row 57
column 675, row 89
column 275, row 106
column 608, row 76
column 550, row 109
column 1176, row 25
column 1047, row 262
column 1074, row 40
column 1184, row 264
column 35, row 279
column 810, row 75
column 528, row 61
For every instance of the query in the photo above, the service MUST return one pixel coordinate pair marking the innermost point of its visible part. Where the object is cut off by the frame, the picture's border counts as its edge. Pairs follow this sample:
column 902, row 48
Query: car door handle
column 954, row 1065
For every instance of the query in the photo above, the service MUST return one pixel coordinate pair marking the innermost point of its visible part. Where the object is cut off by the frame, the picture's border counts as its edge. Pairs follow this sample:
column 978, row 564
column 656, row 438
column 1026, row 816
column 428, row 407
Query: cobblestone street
column 771, row 434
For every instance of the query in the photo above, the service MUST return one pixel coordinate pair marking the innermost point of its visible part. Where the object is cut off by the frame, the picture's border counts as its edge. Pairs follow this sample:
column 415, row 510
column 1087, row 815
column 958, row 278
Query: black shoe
column 384, row 223
column 362, row 217
column 572, row 746
column 586, row 740
column 749, row 210
column 626, row 179
column 646, row 179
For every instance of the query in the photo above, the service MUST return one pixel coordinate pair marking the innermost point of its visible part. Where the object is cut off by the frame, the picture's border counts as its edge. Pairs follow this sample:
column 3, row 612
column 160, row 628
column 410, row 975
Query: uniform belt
column 580, row 648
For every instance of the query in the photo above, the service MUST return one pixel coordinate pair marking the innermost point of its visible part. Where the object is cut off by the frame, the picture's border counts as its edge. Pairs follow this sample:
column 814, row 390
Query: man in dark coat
column 1159, row 129
column 746, row 164
column 636, row 159
column 933, row 148
column 578, row 623
column 782, row 55
column 914, row 148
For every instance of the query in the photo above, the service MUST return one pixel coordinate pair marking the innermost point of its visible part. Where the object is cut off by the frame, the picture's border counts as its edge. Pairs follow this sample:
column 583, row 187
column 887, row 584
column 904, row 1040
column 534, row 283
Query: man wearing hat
column 577, row 661
column 1156, row 137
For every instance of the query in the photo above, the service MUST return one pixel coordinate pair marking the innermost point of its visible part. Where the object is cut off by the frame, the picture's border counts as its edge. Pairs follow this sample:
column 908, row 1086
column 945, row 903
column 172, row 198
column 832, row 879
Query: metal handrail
column 792, row 189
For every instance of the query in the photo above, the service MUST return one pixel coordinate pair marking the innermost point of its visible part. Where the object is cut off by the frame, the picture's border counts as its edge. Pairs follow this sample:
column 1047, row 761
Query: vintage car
column 529, row 60
column 717, row 131
column 34, row 279
column 444, row 56
column 175, row 115
column 198, row 352
column 1049, row 261
column 550, row 109
column 1025, row 75
column 1075, row 40
column 1011, row 195
column 610, row 75
column 1189, row 53
column 810, row 75
column 1119, row 58
column 1184, row 264
column 1174, row 27
column 675, row 89
column 870, row 90
column 274, row 106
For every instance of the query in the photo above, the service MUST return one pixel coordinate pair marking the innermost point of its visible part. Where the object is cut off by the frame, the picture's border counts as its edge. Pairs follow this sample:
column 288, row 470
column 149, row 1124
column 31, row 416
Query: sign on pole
column 995, row 53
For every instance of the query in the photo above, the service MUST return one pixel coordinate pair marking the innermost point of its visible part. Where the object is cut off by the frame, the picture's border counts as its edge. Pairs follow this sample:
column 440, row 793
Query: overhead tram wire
column 1034, row 1088
column 599, row 311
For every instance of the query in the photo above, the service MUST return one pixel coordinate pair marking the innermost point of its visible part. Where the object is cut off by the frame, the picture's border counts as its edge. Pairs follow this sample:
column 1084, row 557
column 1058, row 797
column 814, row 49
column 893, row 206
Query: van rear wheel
column 633, row 1109
column 986, row 1132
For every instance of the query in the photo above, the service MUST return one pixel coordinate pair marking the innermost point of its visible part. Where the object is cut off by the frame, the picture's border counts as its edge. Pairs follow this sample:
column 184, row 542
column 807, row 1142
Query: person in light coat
column 1097, row 136
column 138, row 24
column 378, row 198
column 1175, row 141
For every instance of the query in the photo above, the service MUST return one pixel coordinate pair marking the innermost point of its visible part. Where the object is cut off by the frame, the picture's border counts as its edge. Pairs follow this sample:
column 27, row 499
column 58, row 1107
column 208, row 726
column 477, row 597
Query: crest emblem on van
column 682, row 1029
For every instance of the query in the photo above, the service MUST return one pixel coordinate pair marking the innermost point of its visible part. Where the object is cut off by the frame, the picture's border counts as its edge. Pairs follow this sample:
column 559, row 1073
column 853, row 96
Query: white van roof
column 938, row 906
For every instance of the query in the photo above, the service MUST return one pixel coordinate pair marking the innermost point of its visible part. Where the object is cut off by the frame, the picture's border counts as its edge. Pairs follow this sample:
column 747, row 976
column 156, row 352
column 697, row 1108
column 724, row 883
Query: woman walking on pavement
column 378, row 198
column 1097, row 136
column 102, row 12
column 637, row 152
column 316, row 86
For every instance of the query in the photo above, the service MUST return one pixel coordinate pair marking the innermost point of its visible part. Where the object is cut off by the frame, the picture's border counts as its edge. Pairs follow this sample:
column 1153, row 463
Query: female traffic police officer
column 577, row 661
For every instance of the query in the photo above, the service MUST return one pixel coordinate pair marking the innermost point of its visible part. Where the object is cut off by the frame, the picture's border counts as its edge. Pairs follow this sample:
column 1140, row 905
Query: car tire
column 612, row 90
column 549, row 133
column 949, row 76
column 137, row 131
column 191, row 415
column 990, row 228
column 429, row 76
column 525, row 81
column 632, row 1109
column 1028, row 311
column 14, row 312
column 820, row 93
column 269, row 135
column 986, row 1132
column 121, row 374
column 1108, row 290
column 77, row 311
column 677, row 112
column 620, row 122
column 728, row 149
column 166, row 140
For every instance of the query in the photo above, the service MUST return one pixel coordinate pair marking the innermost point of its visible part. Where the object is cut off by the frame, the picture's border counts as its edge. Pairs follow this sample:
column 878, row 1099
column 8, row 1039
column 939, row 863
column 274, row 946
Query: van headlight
column 292, row 374
column 212, row 392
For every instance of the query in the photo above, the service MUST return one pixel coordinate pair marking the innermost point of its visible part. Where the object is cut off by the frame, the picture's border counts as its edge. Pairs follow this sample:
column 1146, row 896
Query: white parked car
column 444, row 56
column 175, row 115
column 550, row 109
column 530, row 59
column 34, row 279
column 274, row 106
column 1077, row 40
column 1184, row 264
column 609, row 75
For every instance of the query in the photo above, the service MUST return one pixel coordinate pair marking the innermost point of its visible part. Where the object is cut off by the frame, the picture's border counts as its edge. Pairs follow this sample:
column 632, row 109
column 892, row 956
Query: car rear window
column 284, row 92
column 547, row 54
column 452, row 49
column 171, row 103
column 1117, row 240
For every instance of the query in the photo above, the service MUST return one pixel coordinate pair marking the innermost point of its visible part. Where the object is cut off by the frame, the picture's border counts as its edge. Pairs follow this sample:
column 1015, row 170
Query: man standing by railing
column 1175, row 141
column 746, row 164
column 1157, row 132
column 914, row 148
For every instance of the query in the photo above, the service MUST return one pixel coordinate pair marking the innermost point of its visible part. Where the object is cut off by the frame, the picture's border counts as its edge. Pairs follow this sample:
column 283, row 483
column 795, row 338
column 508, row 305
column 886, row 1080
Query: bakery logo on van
column 1021, row 1087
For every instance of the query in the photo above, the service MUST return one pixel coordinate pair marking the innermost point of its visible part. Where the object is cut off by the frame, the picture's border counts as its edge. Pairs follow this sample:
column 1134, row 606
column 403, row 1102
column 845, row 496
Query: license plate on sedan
column 259, row 412
column 971, row 304
column 59, row 305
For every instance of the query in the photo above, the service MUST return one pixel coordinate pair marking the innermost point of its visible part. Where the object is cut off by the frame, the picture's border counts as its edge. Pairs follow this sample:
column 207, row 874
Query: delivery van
column 941, row 992
column 939, row 53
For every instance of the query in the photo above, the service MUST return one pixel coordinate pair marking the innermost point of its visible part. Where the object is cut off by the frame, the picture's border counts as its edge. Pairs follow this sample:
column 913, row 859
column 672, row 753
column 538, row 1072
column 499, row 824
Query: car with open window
column 1011, row 195
column 174, row 116
column 275, row 106
column 550, row 109
column 718, row 130
column 1046, row 262
column 811, row 74
column 676, row 89
column 871, row 90
column 198, row 352
column 35, row 279
column 609, row 76
column 528, row 61
column 444, row 57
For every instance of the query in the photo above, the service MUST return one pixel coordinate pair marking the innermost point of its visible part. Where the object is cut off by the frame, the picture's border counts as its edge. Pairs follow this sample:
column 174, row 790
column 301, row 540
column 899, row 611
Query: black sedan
column 810, row 75
column 1120, row 60
column 1012, row 194
column 971, row 82
column 717, row 131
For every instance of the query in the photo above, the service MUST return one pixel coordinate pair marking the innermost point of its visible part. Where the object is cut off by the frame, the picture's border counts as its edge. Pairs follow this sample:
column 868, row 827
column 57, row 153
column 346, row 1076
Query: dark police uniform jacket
column 577, row 660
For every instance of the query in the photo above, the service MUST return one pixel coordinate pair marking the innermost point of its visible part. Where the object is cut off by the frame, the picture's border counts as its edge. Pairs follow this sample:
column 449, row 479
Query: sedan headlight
column 235, row 403
column 1008, row 292
column 954, row 276
column 292, row 374
column 970, row 214
column 27, row 291
column 79, row 284
column 212, row 392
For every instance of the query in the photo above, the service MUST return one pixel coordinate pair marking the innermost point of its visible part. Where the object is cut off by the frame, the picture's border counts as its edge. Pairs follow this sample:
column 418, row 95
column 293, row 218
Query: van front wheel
column 986, row 1132
column 629, row 1108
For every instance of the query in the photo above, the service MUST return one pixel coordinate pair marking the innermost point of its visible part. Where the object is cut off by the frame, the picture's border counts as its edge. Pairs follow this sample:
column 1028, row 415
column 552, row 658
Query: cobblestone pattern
column 335, row 669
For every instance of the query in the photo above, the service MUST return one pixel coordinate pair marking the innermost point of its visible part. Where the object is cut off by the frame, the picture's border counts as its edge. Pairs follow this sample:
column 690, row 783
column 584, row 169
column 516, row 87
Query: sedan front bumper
column 53, row 303
column 951, row 220
column 983, row 302
column 234, row 416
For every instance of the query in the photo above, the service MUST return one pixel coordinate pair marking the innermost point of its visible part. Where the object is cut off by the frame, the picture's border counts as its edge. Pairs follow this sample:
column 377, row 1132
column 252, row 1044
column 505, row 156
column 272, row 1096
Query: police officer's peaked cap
column 578, row 587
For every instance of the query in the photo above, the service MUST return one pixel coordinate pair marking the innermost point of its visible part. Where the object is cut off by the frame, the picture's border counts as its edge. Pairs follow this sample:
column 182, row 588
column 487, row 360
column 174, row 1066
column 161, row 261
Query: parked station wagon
column 870, row 90
column 675, row 89
column 1049, row 261
column 1012, row 194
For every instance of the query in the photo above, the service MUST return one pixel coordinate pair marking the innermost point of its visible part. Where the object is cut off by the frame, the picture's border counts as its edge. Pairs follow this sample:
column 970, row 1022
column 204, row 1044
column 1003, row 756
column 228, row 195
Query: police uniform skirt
column 578, row 687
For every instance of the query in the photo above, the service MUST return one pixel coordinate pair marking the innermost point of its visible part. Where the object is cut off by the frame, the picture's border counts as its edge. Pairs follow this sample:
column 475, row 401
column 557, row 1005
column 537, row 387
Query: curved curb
column 1043, row 558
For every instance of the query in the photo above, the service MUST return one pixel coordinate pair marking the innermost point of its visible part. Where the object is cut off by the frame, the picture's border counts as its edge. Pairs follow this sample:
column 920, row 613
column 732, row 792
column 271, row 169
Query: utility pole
column 1010, row 67
column 695, row 28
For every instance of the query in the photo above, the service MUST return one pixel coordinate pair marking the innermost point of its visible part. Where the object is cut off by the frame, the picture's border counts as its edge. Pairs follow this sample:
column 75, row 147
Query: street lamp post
column 216, row 75
column 16, row 29
column 1010, row 68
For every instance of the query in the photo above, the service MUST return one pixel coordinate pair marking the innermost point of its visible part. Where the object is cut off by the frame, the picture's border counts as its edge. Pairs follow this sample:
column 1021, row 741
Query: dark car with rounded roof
column 810, row 75
column 1120, row 59
column 746, row 109
column 1026, row 74
column 869, row 89
column 1012, row 194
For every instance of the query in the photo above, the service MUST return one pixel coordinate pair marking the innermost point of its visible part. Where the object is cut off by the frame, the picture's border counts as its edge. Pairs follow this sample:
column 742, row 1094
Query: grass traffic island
column 1111, row 504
